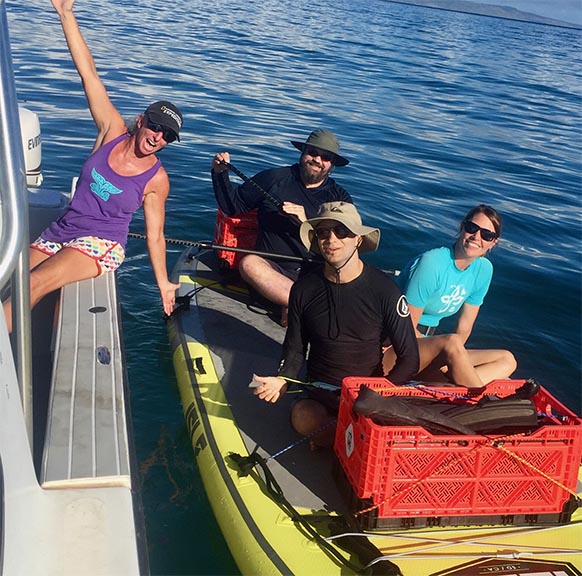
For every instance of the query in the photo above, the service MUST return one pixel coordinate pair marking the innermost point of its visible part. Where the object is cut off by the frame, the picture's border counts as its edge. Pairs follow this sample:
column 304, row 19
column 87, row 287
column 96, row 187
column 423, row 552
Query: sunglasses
column 325, row 156
column 340, row 231
column 168, row 135
column 472, row 228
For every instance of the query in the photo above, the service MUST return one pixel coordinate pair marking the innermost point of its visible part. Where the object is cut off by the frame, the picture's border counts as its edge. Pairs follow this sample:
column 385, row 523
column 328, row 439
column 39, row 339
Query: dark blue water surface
column 437, row 112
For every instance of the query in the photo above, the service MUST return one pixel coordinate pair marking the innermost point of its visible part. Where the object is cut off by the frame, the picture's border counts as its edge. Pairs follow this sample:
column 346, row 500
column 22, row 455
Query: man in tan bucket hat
column 301, row 188
column 344, row 312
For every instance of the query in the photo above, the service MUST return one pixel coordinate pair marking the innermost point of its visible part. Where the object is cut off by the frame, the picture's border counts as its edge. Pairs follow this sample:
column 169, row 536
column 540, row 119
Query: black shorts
column 329, row 399
column 290, row 270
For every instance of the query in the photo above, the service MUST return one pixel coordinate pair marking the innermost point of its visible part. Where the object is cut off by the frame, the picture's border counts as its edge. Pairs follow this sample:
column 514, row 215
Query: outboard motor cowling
column 32, row 146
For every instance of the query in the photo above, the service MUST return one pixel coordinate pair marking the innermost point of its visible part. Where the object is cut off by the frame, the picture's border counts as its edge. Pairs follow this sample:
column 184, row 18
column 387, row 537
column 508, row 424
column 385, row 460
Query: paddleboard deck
column 219, row 339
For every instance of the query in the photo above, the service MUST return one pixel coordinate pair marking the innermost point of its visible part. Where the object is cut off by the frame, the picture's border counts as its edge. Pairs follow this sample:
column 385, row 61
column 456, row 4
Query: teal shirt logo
column 452, row 301
column 102, row 187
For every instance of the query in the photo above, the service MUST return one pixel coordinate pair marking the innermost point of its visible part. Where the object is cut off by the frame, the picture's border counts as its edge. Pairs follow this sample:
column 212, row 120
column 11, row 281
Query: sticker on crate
column 349, row 440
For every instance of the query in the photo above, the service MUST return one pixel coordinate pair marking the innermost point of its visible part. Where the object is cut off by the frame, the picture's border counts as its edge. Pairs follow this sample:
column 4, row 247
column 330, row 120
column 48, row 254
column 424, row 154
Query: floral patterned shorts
column 108, row 255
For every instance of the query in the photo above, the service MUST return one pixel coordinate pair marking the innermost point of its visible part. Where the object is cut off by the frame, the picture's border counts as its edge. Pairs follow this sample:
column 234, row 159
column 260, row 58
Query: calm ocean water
column 437, row 111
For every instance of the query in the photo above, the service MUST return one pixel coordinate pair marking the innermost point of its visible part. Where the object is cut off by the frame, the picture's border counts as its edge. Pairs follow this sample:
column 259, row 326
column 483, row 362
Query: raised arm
column 108, row 120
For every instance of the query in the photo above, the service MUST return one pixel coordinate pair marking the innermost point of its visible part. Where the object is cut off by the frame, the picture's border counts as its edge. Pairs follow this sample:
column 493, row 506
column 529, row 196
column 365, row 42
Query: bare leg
column 259, row 274
column 35, row 257
column 445, row 354
column 67, row 266
column 448, row 350
column 493, row 364
column 307, row 416
column 53, row 272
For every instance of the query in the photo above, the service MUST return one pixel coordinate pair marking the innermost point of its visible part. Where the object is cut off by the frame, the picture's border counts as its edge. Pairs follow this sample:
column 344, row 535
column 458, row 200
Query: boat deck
column 86, row 437
column 74, row 495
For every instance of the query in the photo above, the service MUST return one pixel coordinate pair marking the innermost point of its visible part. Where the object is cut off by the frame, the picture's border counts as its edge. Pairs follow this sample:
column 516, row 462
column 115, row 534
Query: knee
column 244, row 264
column 508, row 361
column 307, row 416
column 248, row 266
column 453, row 345
column 388, row 359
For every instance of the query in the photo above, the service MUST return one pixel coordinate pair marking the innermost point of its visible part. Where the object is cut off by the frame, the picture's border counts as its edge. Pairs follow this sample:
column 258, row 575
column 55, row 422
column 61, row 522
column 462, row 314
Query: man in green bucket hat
column 284, row 198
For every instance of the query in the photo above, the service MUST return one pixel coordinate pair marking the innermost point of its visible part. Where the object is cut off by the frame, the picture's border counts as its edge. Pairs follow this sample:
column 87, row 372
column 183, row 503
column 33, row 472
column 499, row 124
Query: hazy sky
column 567, row 10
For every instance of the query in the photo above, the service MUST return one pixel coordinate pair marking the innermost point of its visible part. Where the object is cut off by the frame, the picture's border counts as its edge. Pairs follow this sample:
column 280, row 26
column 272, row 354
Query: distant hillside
column 487, row 10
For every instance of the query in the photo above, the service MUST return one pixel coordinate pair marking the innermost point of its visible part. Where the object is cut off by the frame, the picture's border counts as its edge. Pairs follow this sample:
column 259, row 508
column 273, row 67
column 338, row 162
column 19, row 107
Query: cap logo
column 172, row 114
column 336, row 209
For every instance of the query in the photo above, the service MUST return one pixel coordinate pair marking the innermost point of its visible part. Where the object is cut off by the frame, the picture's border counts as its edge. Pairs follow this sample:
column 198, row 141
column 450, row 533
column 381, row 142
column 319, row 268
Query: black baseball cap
column 167, row 115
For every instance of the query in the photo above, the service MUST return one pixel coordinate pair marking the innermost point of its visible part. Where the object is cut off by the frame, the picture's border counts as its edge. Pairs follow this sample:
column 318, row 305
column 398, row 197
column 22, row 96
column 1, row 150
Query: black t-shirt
column 345, row 327
column 278, row 233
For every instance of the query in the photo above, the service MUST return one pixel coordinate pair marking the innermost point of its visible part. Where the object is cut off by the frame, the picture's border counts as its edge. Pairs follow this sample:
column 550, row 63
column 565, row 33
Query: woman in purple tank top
column 122, row 174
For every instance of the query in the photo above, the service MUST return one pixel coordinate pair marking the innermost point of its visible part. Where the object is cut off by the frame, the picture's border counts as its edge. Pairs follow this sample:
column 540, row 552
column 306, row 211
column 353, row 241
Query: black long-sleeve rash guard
column 278, row 233
column 345, row 326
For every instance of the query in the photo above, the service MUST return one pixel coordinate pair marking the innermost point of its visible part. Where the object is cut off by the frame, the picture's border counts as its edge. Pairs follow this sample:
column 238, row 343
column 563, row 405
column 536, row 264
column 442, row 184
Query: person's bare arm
column 108, row 120
column 154, row 211
column 466, row 321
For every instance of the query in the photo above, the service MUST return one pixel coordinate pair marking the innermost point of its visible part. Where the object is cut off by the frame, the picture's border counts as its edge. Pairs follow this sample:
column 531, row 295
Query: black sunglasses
column 340, row 231
column 325, row 156
column 168, row 135
column 472, row 228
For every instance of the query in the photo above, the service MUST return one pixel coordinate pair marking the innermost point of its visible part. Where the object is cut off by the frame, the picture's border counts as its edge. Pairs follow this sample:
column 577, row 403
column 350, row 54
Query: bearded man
column 301, row 188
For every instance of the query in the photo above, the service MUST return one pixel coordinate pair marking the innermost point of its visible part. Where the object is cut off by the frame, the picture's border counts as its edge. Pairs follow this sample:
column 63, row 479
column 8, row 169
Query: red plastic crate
column 407, row 471
column 237, row 231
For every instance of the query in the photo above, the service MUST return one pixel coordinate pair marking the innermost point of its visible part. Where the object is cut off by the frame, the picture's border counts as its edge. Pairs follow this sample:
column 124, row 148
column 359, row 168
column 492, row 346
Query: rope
column 301, row 440
column 536, row 470
column 495, row 443
column 245, row 464
column 174, row 241
column 321, row 385
column 272, row 255
column 183, row 302
column 434, row 543
column 436, row 392
column 213, row 246
column 468, row 399
column 271, row 197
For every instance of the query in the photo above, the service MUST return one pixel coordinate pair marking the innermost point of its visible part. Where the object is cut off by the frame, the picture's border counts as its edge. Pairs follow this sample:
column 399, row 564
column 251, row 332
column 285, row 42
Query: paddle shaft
column 277, row 202
column 271, row 197
column 213, row 246
column 271, row 255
